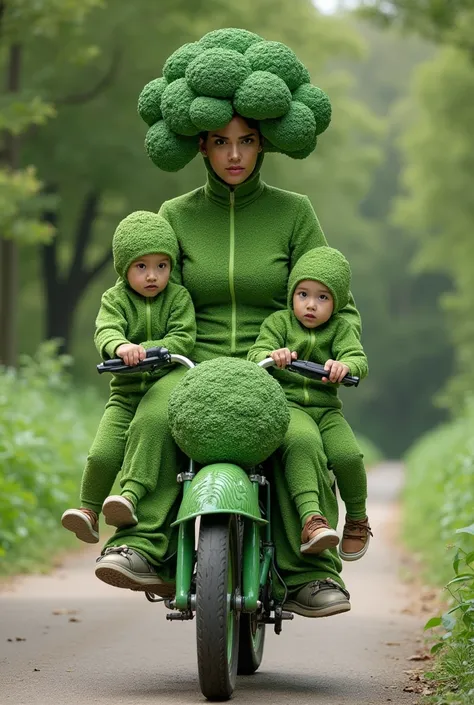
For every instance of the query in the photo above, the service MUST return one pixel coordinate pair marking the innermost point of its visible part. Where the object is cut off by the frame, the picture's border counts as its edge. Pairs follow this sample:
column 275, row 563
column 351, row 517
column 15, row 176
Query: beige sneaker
column 317, row 535
column 82, row 522
column 119, row 511
column 355, row 539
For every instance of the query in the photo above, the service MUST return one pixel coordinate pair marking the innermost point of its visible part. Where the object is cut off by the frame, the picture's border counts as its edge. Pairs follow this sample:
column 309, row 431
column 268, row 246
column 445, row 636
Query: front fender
column 221, row 488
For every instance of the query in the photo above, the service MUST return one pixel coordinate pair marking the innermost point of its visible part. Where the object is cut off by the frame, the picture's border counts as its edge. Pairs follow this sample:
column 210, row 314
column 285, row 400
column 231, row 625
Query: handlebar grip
column 155, row 357
column 313, row 370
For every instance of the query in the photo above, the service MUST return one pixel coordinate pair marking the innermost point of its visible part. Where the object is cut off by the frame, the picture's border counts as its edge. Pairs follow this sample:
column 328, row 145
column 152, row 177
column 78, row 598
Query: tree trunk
column 64, row 291
column 9, row 248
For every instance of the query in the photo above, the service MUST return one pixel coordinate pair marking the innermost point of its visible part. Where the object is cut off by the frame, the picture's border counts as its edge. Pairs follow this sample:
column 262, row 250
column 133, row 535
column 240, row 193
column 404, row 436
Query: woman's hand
column 283, row 357
column 131, row 354
column 337, row 371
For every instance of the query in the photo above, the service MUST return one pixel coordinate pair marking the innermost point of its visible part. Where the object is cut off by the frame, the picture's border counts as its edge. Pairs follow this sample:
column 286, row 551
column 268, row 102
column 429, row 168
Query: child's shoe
column 317, row 535
column 119, row 511
column 355, row 539
column 82, row 522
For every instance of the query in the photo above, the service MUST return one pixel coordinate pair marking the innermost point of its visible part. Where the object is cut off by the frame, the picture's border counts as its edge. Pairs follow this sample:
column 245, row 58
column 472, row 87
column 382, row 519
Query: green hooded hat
column 231, row 71
column 325, row 265
column 142, row 233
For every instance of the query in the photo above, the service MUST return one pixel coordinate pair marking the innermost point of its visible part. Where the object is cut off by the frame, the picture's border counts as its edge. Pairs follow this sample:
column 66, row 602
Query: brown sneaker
column 355, row 539
column 82, row 522
column 317, row 535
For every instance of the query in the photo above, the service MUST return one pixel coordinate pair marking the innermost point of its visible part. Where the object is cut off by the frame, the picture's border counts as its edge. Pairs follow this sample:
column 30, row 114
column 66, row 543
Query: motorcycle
column 227, row 583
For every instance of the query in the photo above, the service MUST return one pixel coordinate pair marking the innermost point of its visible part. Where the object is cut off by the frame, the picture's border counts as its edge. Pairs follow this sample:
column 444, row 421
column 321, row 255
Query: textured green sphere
column 175, row 105
column 166, row 149
column 262, row 95
column 230, row 38
column 210, row 113
column 217, row 72
column 149, row 101
column 318, row 102
column 176, row 65
column 292, row 132
column 228, row 410
column 279, row 59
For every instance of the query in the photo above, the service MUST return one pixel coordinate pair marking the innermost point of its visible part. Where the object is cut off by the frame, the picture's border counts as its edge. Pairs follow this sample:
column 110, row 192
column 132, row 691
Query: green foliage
column 20, row 205
column 372, row 454
column 454, row 671
column 438, row 207
column 439, row 493
column 440, row 21
column 46, row 427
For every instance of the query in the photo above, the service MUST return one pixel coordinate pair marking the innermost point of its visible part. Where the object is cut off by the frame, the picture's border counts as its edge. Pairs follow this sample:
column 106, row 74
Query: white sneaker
column 119, row 511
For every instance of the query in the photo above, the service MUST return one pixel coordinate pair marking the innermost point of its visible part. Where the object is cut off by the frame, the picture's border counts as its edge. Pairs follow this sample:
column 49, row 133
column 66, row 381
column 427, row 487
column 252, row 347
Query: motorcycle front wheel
column 217, row 620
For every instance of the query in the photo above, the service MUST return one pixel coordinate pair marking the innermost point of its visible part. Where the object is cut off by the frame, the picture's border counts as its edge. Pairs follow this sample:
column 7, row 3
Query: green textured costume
column 127, row 317
column 237, row 247
column 336, row 340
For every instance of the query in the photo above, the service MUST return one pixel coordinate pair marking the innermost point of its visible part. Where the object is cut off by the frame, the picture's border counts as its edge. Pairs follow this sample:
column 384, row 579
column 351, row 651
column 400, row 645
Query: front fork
column 254, row 570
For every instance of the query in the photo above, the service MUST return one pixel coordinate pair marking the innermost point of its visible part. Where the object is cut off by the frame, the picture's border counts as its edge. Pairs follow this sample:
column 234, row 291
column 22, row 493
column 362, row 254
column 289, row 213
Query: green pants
column 343, row 456
column 152, row 461
column 106, row 455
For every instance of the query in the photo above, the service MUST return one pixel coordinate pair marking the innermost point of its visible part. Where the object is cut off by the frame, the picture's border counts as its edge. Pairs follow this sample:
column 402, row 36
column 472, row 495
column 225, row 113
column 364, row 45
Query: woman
column 238, row 240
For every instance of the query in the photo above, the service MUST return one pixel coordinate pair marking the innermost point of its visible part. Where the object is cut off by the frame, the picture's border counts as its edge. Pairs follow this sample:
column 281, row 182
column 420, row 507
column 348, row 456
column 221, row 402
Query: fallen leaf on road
column 64, row 610
column 392, row 643
column 419, row 657
column 74, row 619
column 36, row 669
column 20, row 638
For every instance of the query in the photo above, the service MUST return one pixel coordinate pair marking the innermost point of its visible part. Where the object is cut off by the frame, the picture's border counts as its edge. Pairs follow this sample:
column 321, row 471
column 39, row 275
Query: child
column 141, row 311
column 311, row 329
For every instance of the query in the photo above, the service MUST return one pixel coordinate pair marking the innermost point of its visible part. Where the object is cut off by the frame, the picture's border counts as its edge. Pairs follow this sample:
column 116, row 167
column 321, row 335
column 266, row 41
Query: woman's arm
column 308, row 234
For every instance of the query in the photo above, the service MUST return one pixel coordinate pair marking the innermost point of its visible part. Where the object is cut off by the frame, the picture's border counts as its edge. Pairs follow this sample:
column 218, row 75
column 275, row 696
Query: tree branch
column 83, row 235
column 101, row 85
column 99, row 266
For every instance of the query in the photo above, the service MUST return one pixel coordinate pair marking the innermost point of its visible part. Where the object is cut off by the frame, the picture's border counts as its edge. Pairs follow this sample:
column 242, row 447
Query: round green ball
column 210, row 113
column 228, row 410
column 149, row 101
column 230, row 38
column 217, row 72
column 292, row 132
column 176, row 64
column 318, row 102
column 175, row 105
column 166, row 149
column 262, row 95
column 276, row 58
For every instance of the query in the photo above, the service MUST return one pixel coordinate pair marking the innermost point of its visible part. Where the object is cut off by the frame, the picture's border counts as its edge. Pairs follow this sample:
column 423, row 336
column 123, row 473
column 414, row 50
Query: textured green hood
column 326, row 265
column 142, row 233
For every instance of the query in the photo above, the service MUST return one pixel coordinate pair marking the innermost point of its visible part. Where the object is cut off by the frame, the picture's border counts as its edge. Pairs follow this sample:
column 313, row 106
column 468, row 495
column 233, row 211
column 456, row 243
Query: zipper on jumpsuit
column 307, row 355
column 233, row 320
column 148, row 337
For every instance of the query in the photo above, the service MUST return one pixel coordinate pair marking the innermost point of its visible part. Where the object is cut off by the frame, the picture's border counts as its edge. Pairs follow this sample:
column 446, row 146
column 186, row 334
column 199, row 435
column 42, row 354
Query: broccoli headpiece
column 228, row 410
column 231, row 71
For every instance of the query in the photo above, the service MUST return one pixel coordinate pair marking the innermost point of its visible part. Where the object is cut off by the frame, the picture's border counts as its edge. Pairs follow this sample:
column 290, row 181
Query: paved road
column 111, row 647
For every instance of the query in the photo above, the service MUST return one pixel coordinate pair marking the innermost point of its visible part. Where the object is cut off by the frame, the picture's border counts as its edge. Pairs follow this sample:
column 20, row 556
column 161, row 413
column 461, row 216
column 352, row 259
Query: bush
column 439, row 492
column 372, row 454
column 46, row 427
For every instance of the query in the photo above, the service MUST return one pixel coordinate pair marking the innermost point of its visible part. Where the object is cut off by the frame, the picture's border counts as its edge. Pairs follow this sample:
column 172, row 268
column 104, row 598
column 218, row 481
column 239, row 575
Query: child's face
column 149, row 275
column 312, row 303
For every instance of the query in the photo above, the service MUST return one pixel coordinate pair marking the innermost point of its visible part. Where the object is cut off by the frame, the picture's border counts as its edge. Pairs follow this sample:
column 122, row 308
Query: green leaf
column 436, row 647
column 432, row 623
column 466, row 530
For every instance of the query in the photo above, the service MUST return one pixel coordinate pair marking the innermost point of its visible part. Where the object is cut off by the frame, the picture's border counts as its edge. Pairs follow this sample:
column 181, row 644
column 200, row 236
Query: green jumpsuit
column 237, row 247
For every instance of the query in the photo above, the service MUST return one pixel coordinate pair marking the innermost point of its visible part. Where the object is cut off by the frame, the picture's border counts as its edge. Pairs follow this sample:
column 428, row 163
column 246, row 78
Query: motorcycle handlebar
column 155, row 358
column 313, row 370
column 158, row 357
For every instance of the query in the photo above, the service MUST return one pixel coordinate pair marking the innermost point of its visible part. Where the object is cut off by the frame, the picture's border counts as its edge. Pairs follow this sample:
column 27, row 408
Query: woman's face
column 233, row 150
